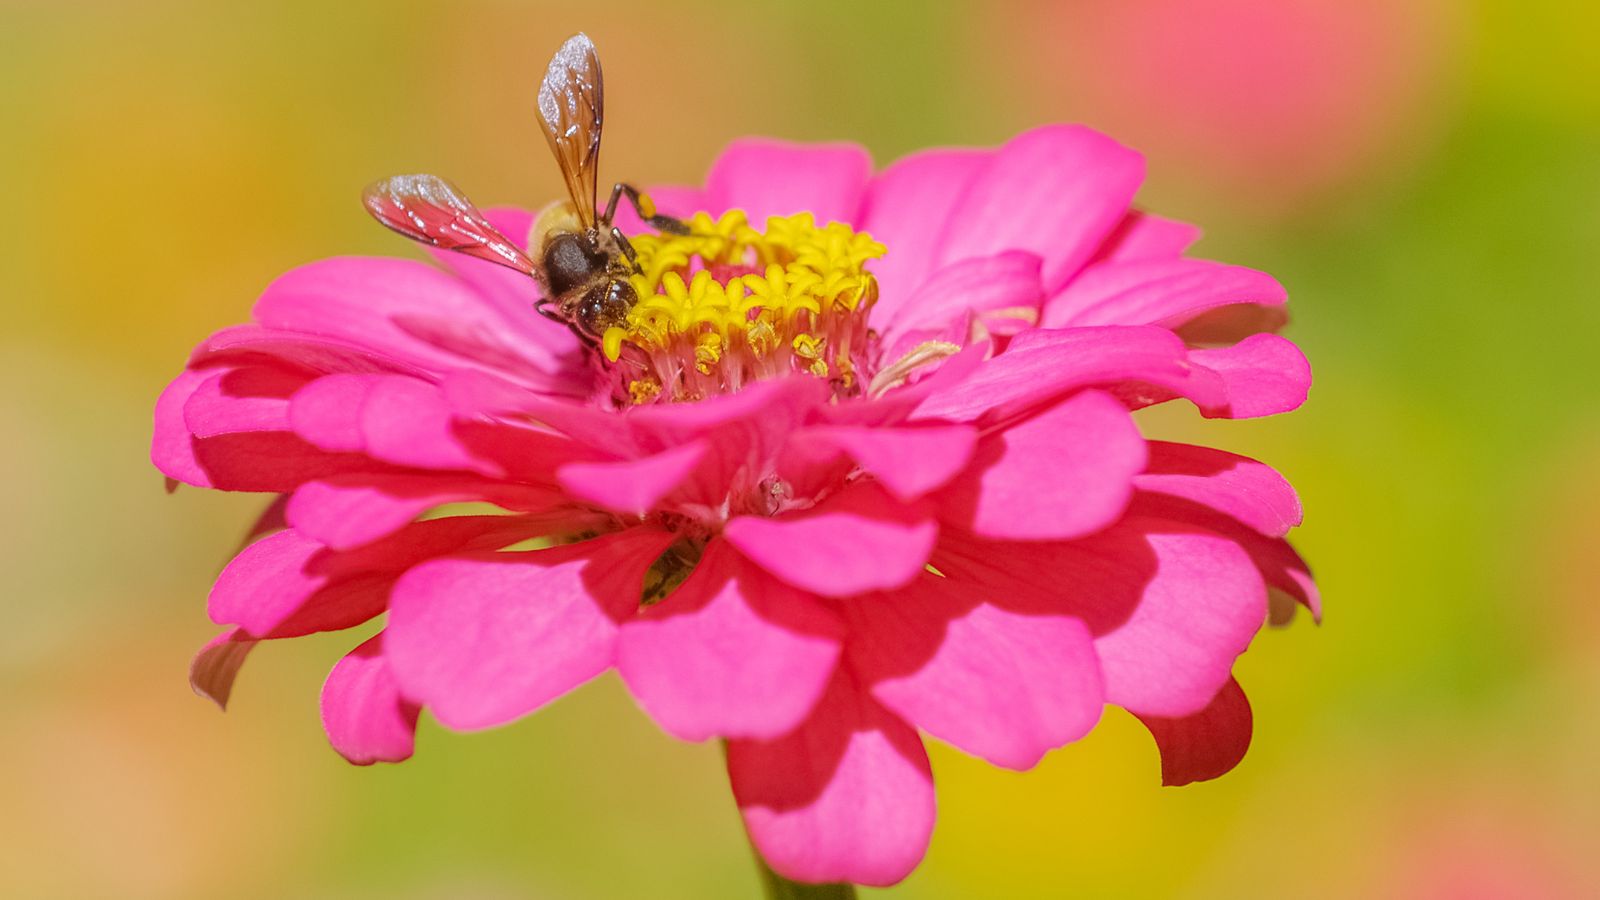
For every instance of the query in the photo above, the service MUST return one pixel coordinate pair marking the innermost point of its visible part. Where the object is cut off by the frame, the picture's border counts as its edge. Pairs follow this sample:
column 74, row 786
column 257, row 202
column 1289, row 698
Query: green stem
column 777, row 887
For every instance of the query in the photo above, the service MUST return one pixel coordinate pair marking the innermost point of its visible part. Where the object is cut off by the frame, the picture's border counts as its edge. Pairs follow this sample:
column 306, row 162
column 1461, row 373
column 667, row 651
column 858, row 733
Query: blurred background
column 1423, row 175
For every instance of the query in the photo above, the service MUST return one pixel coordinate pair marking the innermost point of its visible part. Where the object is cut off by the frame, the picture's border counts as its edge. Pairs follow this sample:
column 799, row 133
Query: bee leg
column 611, row 205
column 627, row 248
column 543, row 309
column 647, row 211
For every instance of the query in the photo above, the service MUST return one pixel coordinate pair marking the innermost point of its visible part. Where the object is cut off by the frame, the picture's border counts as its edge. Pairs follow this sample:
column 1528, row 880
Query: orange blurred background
column 1423, row 175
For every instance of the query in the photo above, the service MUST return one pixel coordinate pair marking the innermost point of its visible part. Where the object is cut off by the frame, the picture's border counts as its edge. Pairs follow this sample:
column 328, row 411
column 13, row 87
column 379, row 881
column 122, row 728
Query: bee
column 580, row 260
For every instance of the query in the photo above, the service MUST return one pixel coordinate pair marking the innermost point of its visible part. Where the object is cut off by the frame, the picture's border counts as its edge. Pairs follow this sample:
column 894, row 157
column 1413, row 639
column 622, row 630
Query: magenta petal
column 344, row 514
column 1278, row 562
column 1061, row 474
column 1042, row 364
column 1206, row 744
column 238, row 424
column 407, row 311
column 1005, row 281
column 858, row 540
column 731, row 652
column 251, row 344
column 1171, row 605
column 327, row 411
column 909, row 461
column 775, row 178
column 347, row 511
column 1195, row 615
column 1056, row 191
column 408, row 422
column 286, row 584
column 265, row 582
column 634, row 485
column 907, row 208
column 1141, row 235
column 998, row 684
column 484, row 638
column 1263, row 374
column 1234, row 485
column 846, row 797
column 366, row 718
column 217, row 664
column 1158, row 292
column 250, row 398
column 171, row 444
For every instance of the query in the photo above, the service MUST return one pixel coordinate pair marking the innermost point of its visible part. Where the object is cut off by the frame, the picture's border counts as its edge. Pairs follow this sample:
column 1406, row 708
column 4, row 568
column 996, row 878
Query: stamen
column 727, row 305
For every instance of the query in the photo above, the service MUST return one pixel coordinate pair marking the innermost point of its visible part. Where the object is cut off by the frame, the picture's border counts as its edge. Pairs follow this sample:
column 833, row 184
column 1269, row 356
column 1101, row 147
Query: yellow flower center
column 727, row 305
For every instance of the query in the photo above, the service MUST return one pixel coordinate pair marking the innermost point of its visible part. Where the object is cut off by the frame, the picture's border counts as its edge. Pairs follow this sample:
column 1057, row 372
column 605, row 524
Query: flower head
column 859, row 466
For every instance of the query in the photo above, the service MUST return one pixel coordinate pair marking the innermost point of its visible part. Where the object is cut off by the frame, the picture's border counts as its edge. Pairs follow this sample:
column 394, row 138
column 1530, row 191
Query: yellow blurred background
column 1423, row 175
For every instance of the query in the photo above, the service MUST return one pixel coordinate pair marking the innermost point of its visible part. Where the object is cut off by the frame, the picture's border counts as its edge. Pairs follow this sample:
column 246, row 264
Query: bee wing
column 429, row 209
column 571, row 107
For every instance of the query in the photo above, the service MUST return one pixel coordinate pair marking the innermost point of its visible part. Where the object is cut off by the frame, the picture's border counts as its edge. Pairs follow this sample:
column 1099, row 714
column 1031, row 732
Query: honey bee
column 579, row 258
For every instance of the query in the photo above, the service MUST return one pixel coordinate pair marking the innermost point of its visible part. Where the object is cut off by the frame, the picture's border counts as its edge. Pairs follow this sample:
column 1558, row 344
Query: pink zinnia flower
column 862, row 466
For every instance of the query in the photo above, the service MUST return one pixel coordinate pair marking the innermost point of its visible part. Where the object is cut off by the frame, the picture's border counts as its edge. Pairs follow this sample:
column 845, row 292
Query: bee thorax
column 571, row 261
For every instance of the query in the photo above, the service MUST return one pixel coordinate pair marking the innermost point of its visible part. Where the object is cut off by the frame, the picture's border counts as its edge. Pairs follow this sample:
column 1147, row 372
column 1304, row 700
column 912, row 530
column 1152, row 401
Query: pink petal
column 858, row 540
column 253, row 344
column 326, row 412
column 1044, row 364
column 270, row 461
column 366, row 718
column 998, row 684
column 341, row 514
column 1264, row 375
column 216, row 665
column 1171, row 606
column 1141, row 235
column 775, row 178
column 1206, row 744
column 239, row 438
column 251, row 398
column 909, row 461
column 408, row 311
column 287, row 584
column 351, row 510
column 1227, row 325
column 1158, row 292
column 270, row 581
column 1234, row 485
column 1056, row 191
column 744, row 431
column 408, row 423
column 897, row 404
column 1277, row 561
column 846, row 797
column 731, row 652
column 172, row 445
column 636, row 485
column 980, row 284
column 484, row 638
column 393, row 418
column 907, row 208
column 1203, row 603
column 1063, row 473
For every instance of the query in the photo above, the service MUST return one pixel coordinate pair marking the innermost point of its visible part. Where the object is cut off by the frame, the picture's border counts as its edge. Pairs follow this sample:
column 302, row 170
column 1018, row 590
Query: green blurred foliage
column 168, row 159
